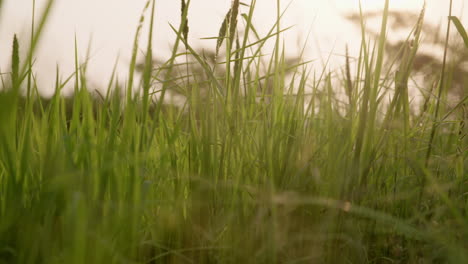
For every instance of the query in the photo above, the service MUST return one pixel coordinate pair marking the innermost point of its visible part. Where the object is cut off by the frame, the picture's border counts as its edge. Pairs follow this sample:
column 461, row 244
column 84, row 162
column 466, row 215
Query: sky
column 109, row 25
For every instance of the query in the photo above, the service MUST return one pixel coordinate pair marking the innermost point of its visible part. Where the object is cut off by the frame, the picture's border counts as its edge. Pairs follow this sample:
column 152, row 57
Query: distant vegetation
column 426, row 63
column 262, row 162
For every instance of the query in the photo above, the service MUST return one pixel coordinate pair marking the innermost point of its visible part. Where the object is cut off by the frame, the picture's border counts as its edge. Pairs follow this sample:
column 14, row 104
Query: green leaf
column 460, row 29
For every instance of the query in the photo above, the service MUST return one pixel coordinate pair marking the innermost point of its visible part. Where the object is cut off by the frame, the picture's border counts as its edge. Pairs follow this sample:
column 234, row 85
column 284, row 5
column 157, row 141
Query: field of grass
column 264, row 163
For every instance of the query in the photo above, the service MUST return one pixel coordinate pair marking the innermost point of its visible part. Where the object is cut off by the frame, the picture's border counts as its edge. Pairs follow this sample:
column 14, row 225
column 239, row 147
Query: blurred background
column 107, row 27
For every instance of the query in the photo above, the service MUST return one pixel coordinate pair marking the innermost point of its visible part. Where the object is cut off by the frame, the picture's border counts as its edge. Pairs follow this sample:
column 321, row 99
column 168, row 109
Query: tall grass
column 255, row 167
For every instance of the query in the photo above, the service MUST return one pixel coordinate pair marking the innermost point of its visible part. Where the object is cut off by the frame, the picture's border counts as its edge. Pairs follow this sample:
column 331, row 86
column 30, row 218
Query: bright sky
column 112, row 23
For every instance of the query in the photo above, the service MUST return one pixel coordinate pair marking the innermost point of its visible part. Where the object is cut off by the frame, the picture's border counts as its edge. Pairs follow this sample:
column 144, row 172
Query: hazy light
column 111, row 25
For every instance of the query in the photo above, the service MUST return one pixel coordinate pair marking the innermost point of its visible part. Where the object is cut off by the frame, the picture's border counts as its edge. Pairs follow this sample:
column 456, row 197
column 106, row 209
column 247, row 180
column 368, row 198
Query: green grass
column 252, row 169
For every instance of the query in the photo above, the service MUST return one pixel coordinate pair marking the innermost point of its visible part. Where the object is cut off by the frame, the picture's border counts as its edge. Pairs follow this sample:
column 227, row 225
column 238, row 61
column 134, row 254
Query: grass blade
column 460, row 28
